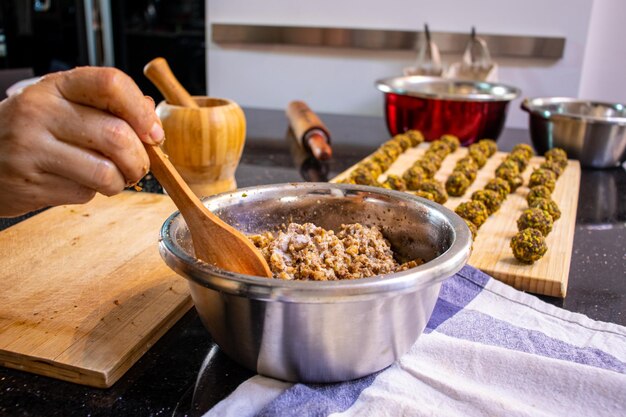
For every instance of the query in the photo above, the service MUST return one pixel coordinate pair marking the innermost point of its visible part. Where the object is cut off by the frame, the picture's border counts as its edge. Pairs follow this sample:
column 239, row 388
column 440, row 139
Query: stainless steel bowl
column 471, row 110
column 592, row 132
column 321, row 331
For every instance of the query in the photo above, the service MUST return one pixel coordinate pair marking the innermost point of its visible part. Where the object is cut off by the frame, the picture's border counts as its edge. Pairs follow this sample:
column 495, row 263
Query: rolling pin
column 309, row 130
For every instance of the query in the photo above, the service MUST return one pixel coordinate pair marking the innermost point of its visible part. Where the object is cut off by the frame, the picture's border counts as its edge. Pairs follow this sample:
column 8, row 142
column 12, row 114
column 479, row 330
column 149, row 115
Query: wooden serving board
column 85, row 292
column 491, row 252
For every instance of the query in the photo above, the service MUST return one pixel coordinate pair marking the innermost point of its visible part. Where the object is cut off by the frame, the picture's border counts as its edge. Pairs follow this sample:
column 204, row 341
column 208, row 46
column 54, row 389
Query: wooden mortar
column 204, row 143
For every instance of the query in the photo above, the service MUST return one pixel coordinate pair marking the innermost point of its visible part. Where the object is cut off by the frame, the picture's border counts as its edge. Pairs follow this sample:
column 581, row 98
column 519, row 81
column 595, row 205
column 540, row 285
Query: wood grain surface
column 205, row 143
column 85, row 292
column 491, row 252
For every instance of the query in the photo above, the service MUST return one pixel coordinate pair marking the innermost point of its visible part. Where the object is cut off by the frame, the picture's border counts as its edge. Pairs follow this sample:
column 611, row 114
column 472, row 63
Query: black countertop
column 184, row 373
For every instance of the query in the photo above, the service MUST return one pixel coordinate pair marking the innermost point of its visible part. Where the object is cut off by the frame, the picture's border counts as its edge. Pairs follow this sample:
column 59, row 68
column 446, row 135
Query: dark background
column 55, row 39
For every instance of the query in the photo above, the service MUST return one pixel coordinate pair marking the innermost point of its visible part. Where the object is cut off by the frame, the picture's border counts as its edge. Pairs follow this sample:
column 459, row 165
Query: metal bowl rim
column 386, row 86
column 534, row 106
column 432, row 272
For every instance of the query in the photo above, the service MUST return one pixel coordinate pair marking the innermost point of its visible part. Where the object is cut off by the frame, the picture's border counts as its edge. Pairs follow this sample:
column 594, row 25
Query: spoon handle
column 171, row 180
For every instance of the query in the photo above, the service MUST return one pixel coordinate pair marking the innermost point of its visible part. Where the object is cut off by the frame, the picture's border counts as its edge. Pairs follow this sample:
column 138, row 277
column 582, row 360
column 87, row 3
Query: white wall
column 604, row 69
column 342, row 81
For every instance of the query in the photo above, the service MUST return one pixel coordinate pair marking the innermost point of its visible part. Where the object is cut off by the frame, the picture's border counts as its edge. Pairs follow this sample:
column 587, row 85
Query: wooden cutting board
column 85, row 292
column 491, row 252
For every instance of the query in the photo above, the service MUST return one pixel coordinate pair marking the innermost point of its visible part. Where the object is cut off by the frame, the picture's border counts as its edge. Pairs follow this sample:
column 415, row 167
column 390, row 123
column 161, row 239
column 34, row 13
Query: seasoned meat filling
column 308, row 252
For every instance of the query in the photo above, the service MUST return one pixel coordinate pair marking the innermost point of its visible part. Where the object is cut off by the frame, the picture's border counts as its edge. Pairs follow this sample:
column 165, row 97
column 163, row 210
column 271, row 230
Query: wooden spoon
column 214, row 241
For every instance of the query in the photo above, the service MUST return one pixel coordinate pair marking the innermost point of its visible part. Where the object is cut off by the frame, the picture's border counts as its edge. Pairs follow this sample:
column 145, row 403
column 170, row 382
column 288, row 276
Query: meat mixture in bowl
column 308, row 252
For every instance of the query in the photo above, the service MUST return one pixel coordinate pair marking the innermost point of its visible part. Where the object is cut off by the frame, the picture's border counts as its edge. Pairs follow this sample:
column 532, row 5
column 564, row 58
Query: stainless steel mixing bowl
column 592, row 132
column 321, row 331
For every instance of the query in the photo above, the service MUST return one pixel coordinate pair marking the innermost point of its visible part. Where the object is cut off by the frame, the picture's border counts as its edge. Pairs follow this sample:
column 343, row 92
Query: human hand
column 73, row 134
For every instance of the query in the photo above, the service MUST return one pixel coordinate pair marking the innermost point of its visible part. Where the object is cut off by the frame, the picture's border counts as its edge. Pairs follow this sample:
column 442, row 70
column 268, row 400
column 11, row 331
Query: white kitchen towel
column 488, row 350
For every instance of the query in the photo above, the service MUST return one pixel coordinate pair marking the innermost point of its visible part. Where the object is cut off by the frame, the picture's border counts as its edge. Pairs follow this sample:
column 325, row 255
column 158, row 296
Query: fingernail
column 151, row 100
column 156, row 133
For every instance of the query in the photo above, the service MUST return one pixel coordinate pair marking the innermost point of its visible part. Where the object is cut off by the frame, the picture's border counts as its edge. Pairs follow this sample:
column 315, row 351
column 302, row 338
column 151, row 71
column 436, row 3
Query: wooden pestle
column 159, row 72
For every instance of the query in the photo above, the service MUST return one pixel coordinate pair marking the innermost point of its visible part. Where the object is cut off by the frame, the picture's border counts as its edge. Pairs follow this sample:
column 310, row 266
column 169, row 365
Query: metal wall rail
column 499, row 45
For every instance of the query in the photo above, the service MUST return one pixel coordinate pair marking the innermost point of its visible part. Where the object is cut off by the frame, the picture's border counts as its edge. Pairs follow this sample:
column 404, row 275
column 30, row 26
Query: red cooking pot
column 470, row 110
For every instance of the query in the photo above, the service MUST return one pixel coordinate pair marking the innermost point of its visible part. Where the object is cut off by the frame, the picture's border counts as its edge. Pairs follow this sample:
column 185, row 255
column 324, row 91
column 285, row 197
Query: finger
column 84, row 166
column 43, row 190
column 55, row 190
column 107, row 134
column 150, row 101
column 111, row 90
